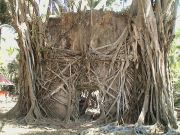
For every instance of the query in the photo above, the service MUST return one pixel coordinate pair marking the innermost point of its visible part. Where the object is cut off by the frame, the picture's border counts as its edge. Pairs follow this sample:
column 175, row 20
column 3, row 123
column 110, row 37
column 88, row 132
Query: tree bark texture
column 123, row 56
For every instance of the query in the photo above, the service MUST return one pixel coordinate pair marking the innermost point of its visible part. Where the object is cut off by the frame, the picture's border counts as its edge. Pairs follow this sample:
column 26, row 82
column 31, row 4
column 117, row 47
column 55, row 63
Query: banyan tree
column 123, row 56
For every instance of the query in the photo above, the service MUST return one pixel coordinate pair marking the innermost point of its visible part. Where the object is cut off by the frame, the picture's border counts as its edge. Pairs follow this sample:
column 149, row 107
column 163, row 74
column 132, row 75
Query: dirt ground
column 14, row 128
column 77, row 128
column 80, row 127
column 6, row 103
column 44, row 127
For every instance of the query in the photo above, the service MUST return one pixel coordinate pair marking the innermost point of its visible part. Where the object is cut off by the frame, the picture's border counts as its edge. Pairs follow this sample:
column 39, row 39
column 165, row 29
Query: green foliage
column 10, row 51
column 12, row 67
column 3, row 69
column 10, row 70
column 174, row 60
column 178, row 34
column 109, row 2
column 3, row 6
column 93, row 3
column 13, row 70
column 4, row 16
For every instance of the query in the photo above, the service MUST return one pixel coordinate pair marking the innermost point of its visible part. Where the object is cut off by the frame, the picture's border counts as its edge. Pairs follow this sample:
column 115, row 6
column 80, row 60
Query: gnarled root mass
column 123, row 56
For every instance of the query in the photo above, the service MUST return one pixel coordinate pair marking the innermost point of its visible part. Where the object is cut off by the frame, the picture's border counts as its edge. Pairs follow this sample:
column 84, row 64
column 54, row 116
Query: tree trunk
column 153, row 28
column 30, row 31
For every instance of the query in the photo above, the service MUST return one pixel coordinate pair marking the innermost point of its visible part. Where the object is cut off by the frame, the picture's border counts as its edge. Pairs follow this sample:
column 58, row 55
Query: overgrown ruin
column 123, row 56
column 85, row 54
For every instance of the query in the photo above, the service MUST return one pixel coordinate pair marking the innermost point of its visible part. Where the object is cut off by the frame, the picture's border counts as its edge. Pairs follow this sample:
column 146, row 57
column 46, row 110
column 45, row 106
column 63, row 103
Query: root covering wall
column 122, row 55
column 91, row 51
